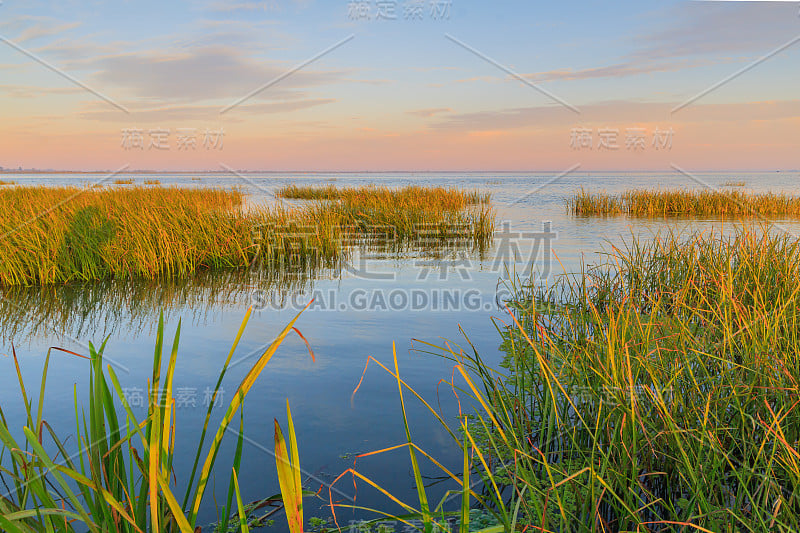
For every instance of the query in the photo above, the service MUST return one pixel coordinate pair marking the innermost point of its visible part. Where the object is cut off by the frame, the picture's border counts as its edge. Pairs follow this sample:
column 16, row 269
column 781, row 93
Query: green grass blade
column 212, row 403
column 427, row 518
column 242, row 514
column 234, row 406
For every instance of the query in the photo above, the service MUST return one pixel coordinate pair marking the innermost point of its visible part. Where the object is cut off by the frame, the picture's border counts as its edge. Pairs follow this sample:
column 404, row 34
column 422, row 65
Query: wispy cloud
column 199, row 74
column 79, row 50
column 206, row 113
column 618, row 70
column 29, row 91
column 712, row 28
column 611, row 113
column 429, row 112
column 24, row 28
column 44, row 30
column 694, row 34
column 230, row 7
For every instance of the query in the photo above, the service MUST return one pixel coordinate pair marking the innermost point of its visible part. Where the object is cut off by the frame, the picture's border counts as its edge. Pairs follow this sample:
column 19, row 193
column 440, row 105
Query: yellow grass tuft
column 64, row 234
column 676, row 202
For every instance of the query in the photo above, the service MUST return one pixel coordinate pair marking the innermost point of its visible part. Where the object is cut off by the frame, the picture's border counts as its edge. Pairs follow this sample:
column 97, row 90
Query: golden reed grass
column 675, row 202
column 63, row 234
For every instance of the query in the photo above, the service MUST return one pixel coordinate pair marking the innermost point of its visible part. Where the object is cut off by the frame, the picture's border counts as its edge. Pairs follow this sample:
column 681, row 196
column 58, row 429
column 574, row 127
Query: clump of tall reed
column 121, row 478
column 677, row 202
column 444, row 197
column 429, row 216
column 298, row 192
column 655, row 391
column 595, row 203
column 59, row 235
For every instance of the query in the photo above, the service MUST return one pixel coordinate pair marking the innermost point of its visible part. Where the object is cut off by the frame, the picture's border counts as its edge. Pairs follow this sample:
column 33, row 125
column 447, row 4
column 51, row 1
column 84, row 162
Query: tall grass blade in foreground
column 288, row 465
column 122, row 479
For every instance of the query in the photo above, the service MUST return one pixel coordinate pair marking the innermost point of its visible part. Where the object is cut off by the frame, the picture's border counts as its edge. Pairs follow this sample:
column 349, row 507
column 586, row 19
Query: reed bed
column 659, row 389
column 656, row 391
column 595, row 203
column 298, row 192
column 427, row 214
column 434, row 197
column 642, row 203
column 60, row 235
column 123, row 181
column 424, row 216
column 152, row 182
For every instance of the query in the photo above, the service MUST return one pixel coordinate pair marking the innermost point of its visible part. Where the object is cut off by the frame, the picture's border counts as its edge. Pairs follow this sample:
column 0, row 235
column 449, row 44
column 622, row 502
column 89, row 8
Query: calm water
column 357, row 313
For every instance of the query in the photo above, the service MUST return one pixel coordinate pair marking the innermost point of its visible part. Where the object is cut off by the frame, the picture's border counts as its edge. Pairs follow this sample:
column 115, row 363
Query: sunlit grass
column 595, row 203
column 298, row 192
column 656, row 391
column 58, row 235
column 432, row 197
column 676, row 202
column 62, row 234
column 427, row 215
column 659, row 388
column 121, row 478
column 123, row 181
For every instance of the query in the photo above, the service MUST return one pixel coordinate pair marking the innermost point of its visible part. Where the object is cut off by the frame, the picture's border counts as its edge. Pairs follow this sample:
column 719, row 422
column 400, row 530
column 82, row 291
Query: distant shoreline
column 18, row 172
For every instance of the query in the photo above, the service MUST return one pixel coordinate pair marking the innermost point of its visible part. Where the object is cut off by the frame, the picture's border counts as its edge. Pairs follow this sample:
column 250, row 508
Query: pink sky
column 401, row 95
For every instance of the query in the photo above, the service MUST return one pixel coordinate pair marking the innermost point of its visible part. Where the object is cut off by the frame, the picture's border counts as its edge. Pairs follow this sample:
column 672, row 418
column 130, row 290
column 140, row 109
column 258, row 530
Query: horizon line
column 457, row 171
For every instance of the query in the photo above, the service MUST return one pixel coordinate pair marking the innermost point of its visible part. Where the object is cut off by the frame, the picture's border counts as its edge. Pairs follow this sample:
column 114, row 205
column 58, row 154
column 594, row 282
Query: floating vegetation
column 152, row 182
column 740, row 183
column 678, row 202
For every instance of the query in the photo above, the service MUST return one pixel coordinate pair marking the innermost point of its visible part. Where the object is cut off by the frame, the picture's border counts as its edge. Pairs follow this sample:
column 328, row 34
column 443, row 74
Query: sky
column 405, row 85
